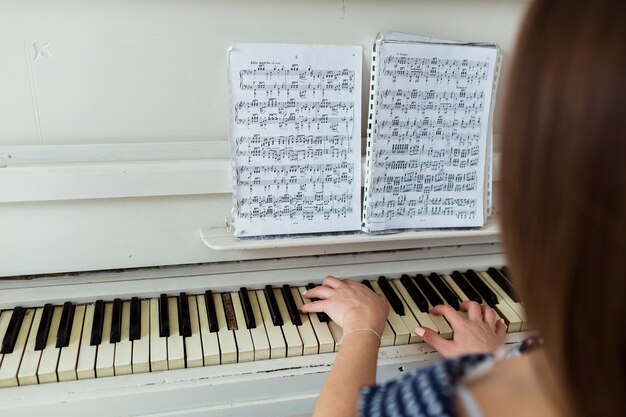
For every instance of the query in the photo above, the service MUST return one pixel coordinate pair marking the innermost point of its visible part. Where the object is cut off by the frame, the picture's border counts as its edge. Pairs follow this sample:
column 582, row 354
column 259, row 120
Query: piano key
column 390, row 294
column 158, row 344
column 86, row 365
column 395, row 332
column 310, row 344
column 229, row 312
column 164, row 316
column 193, row 342
column 367, row 284
column 210, row 344
column 44, row 327
column 65, row 327
column 226, row 337
column 415, row 294
column 135, row 319
column 440, row 322
column 444, row 291
column 431, row 295
column 460, row 293
column 175, row 343
column 97, row 323
column 505, row 271
column 485, row 292
column 105, row 358
column 10, row 361
column 323, row 317
column 337, row 332
column 12, row 330
column 141, row 345
column 184, row 318
column 245, row 347
column 47, row 371
column 259, row 334
column 67, row 368
column 247, row 308
column 116, row 321
column 290, row 331
column 270, row 299
column 292, row 310
column 5, row 319
column 278, row 347
column 465, row 287
column 408, row 318
column 423, row 318
column 27, row 374
column 324, row 337
column 123, row 363
column 210, row 308
column 516, row 308
column 504, row 283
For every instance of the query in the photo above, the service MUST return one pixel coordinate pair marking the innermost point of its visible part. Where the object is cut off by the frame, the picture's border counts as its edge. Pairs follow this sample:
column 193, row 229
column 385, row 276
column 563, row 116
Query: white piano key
column 141, row 346
column 158, row 345
column 69, row 355
column 278, row 347
column 292, row 337
column 10, row 363
column 245, row 347
column 259, row 335
column 401, row 333
column 309, row 341
column 210, row 343
column 86, row 366
column 325, row 339
column 106, row 350
column 409, row 319
column 5, row 318
column 27, row 374
column 47, row 371
column 422, row 318
column 124, row 348
column 228, row 346
column 513, row 320
column 193, row 343
column 175, row 343
column 337, row 332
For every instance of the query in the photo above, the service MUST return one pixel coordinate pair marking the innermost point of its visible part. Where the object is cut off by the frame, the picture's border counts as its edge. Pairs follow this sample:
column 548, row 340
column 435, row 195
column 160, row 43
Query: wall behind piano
column 83, row 80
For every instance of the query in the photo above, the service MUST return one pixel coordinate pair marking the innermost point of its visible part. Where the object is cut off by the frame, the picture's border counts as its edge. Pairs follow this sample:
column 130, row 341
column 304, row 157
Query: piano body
column 115, row 183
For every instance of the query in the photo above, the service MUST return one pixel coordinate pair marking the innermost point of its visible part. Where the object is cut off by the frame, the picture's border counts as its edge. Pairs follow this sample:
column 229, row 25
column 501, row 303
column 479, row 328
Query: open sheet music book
column 429, row 146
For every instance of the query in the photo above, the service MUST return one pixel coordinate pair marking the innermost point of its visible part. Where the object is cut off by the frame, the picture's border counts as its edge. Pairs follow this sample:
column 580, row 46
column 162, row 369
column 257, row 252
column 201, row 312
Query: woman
column 563, row 204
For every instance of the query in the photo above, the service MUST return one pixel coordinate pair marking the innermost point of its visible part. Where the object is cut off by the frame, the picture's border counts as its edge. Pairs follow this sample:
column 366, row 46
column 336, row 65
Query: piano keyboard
column 107, row 338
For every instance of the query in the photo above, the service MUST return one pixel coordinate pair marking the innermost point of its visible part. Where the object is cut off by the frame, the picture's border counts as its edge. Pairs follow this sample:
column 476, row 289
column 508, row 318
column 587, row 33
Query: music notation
column 295, row 138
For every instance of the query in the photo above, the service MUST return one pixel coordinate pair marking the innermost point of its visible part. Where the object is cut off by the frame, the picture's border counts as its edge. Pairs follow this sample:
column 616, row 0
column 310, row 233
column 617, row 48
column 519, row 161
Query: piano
column 122, row 289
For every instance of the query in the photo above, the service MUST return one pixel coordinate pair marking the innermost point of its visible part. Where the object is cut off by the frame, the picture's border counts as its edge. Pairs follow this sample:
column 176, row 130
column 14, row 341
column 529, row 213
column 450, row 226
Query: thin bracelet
column 364, row 329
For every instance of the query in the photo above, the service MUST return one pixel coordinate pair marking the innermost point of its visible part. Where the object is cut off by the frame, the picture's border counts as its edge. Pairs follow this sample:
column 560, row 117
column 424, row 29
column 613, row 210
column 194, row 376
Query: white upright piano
column 115, row 194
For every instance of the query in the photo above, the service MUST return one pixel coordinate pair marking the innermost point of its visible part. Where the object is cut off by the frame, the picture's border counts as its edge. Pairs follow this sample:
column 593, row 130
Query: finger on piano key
column 309, row 341
column 431, row 279
column 135, row 319
column 291, row 305
column 323, row 317
column 408, row 318
column 116, row 321
column 245, row 348
column 67, row 369
column 65, row 326
column 210, row 308
column 44, row 327
column 259, row 334
column 226, row 337
column 506, row 306
column 158, row 344
column 444, row 291
column 395, row 332
column 278, row 347
column 244, row 297
column 141, row 345
column 164, row 316
column 27, row 374
column 324, row 337
column 423, row 318
column 175, row 343
column 445, row 330
column 10, row 361
column 123, row 363
column 105, row 356
column 290, row 331
column 210, row 344
column 9, row 335
column 390, row 295
column 184, row 318
column 193, row 343
column 47, row 371
column 270, row 300
column 86, row 365
column 97, row 323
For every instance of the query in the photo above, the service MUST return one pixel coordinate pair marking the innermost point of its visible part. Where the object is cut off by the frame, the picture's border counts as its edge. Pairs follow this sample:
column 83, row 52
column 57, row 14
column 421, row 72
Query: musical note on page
column 295, row 138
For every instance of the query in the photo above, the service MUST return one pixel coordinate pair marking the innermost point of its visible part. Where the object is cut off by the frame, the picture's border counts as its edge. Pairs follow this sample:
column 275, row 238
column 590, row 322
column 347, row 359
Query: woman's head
column 563, row 197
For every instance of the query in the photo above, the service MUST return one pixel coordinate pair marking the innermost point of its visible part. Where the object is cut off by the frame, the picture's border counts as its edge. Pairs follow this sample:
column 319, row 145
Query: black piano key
column 505, row 271
column 470, row 293
column 98, row 323
column 322, row 317
column 444, row 290
column 15, row 323
column 248, row 313
column 272, row 305
column 65, row 326
column 433, row 298
column 292, row 308
column 415, row 294
column 367, row 284
column 504, row 283
column 184, row 317
column 229, row 312
column 164, row 317
column 135, row 319
column 44, row 327
column 210, row 311
column 116, row 321
column 391, row 295
column 485, row 292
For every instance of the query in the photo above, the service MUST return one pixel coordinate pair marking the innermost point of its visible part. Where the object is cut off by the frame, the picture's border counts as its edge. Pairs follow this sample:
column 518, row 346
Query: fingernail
column 420, row 331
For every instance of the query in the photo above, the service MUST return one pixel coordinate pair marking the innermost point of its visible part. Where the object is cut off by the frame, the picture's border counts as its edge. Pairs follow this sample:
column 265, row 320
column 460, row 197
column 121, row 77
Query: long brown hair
column 563, row 197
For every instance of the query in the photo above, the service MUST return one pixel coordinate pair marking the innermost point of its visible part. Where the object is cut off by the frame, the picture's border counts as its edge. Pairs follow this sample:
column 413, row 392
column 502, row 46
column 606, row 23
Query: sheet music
column 295, row 138
column 427, row 154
